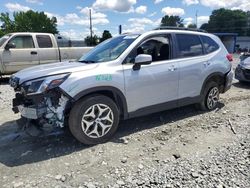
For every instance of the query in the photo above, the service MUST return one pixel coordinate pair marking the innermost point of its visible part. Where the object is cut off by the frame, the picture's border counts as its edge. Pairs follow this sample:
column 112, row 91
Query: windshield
column 108, row 50
column 3, row 39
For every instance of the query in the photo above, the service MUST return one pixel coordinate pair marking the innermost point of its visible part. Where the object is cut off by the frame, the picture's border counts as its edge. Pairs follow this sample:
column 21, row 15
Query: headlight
column 14, row 81
column 44, row 84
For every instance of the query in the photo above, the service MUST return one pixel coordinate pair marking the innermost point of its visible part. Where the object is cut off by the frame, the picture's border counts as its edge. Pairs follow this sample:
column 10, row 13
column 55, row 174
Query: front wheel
column 94, row 119
column 210, row 97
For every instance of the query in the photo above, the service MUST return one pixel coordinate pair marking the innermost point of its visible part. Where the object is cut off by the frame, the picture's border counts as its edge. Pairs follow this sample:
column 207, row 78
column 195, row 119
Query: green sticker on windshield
column 103, row 77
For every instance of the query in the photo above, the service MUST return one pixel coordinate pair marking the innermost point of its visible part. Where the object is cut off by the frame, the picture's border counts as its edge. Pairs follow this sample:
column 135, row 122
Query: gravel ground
column 176, row 148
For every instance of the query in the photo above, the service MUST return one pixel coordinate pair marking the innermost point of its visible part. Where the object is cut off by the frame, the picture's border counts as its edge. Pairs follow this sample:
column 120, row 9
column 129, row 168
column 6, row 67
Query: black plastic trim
column 209, row 77
column 116, row 92
column 165, row 106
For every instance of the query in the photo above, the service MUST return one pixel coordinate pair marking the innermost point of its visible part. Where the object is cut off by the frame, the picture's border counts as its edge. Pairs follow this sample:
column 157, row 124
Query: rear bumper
column 229, row 80
column 242, row 74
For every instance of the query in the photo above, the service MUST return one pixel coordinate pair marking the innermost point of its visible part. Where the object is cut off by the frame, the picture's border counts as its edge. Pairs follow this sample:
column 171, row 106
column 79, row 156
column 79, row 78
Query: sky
column 134, row 15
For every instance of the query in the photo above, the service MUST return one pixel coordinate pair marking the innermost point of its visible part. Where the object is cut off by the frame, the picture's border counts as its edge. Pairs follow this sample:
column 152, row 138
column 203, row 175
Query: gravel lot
column 176, row 148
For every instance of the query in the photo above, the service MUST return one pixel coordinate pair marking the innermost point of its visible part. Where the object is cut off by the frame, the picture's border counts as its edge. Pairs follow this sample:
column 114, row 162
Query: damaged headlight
column 14, row 81
column 44, row 84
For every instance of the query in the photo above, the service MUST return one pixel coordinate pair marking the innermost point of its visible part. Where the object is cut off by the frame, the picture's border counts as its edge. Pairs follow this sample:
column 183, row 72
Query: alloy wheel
column 97, row 120
column 213, row 98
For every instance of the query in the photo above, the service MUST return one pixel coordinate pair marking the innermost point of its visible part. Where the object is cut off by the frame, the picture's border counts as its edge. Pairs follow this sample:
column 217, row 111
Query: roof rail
column 180, row 28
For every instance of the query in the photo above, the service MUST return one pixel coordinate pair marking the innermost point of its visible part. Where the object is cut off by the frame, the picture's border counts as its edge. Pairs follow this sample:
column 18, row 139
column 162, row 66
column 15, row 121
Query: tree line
column 221, row 20
column 32, row 21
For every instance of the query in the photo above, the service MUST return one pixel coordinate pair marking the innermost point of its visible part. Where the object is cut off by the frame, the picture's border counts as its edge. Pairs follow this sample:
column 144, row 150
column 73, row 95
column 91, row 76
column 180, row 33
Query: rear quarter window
column 44, row 41
column 209, row 44
column 189, row 45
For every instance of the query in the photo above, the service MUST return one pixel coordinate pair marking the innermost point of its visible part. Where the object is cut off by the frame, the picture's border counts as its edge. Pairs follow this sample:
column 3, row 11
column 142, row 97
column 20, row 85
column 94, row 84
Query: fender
column 215, row 74
column 118, row 96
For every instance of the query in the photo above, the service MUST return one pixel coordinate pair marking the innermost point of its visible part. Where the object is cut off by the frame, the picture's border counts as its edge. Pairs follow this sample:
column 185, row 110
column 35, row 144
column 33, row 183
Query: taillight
column 230, row 57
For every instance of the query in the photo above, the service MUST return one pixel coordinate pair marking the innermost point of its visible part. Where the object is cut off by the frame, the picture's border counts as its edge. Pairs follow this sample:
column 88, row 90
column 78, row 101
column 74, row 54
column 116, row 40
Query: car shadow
column 18, row 149
column 243, row 85
column 4, row 80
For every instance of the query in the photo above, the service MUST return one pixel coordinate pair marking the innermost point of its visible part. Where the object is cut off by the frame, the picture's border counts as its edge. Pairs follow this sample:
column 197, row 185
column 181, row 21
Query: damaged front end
column 40, row 101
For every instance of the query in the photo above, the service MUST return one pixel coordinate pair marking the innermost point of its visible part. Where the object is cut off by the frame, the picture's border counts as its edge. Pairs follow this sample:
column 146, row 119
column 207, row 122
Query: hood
column 246, row 63
column 52, row 69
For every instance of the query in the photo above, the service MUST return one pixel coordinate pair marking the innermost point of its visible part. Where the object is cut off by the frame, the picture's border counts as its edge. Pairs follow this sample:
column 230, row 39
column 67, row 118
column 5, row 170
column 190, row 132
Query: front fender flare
column 118, row 94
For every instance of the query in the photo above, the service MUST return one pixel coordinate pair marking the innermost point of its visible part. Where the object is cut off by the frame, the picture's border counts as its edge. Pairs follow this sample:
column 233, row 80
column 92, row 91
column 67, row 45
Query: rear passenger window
column 189, row 45
column 44, row 41
column 209, row 44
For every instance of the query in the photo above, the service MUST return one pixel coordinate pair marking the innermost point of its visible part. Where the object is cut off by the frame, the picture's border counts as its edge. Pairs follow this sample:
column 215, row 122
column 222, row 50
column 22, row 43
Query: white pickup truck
column 22, row 50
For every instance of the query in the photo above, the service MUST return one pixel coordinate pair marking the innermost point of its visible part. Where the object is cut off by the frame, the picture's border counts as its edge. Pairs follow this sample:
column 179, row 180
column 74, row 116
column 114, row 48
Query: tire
column 210, row 97
column 94, row 119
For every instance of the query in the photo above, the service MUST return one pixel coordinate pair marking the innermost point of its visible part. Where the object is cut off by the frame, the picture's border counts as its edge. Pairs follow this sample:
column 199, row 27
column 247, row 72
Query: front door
column 153, row 84
column 22, row 56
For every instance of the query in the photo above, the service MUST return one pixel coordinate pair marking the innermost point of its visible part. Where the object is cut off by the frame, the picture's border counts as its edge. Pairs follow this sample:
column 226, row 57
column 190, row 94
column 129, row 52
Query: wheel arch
column 109, row 91
column 218, row 77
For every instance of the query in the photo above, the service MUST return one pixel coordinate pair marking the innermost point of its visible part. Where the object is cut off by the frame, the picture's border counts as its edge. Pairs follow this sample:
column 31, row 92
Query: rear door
column 153, row 84
column 192, row 62
column 47, row 52
column 22, row 56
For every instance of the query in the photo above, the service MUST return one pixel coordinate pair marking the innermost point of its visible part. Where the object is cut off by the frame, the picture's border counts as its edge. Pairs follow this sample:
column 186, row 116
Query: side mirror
column 142, row 59
column 9, row 45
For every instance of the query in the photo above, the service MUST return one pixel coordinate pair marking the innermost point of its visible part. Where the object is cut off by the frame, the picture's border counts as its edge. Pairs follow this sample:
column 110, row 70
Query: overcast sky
column 133, row 15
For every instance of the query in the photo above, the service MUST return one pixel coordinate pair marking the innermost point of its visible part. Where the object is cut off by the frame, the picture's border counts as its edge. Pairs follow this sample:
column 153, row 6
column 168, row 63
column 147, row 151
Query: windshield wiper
column 87, row 61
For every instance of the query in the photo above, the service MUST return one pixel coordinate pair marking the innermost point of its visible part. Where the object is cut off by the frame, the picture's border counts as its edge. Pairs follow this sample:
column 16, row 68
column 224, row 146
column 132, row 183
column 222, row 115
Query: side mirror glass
column 10, row 45
column 142, row 59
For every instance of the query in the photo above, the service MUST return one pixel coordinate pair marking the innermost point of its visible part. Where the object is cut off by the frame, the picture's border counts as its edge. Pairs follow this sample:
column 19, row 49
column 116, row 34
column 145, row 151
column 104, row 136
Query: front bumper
column 229, row 80
column 242, row 74
column 46, row 108
column 31, row 112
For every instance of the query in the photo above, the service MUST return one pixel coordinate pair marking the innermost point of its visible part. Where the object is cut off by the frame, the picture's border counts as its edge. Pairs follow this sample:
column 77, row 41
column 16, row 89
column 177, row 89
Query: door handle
column 172, row 68
column 33, row 52
column 207, row 64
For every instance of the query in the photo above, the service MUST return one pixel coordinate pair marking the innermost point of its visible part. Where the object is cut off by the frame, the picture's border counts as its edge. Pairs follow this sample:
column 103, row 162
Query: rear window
column 44, row 41
column 189, row 45
column 209, row 44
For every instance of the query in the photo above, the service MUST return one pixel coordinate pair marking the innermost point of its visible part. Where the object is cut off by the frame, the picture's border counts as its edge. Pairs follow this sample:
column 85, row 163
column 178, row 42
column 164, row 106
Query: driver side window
column 158, row 47
column 22, row 41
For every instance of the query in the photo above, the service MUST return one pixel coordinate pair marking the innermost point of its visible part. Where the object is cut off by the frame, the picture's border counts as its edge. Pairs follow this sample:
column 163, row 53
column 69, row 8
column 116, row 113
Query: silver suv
column 127, row 76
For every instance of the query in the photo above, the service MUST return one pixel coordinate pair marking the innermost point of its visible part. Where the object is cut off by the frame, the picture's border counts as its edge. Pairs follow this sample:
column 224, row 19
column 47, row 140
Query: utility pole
column 120, row 29
column 196, row 18
column 90, row 27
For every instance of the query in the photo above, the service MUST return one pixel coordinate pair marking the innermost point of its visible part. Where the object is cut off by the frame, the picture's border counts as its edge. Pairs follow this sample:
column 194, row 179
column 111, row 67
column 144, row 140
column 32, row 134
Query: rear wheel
column 94, row 119
column 210, row 97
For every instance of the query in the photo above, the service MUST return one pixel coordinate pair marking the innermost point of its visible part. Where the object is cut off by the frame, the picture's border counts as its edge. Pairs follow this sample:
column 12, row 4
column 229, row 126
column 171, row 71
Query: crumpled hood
column 52, row 69
column 246, row 63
